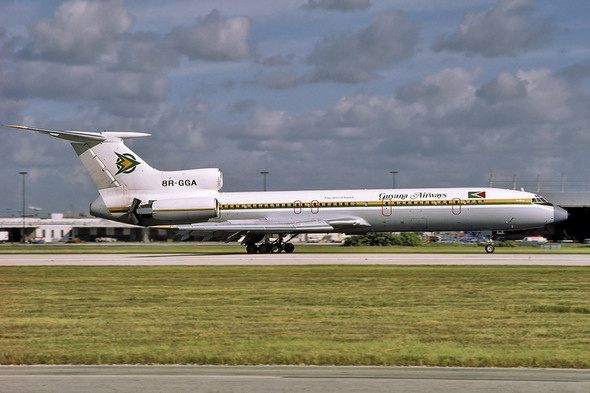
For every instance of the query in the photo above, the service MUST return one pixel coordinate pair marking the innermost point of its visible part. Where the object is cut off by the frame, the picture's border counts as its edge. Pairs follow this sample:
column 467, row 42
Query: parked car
column 535, row 239
column 105, row 240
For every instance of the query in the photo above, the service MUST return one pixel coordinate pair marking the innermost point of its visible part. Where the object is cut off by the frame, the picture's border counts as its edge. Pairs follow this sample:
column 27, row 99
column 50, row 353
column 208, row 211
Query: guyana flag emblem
column 476, row 194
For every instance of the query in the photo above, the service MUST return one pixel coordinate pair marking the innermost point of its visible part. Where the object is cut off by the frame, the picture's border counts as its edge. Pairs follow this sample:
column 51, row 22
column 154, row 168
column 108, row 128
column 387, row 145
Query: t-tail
column 130, row 189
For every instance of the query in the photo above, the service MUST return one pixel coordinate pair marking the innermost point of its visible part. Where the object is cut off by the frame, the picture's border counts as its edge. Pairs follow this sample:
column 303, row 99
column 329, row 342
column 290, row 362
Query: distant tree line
column 408, row 239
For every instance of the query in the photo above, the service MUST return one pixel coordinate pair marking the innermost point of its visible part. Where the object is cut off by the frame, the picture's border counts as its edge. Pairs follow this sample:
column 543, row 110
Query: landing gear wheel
column 251, row 248
column 264, row 248
column 490, row 248
column 289, row 248
column 276, row 248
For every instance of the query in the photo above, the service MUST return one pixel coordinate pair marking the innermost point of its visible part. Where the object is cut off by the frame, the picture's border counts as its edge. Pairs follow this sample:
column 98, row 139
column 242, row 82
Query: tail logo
column 126, row 163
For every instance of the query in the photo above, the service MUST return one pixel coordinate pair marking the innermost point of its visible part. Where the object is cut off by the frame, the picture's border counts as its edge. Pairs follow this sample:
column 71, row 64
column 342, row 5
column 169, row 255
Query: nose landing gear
column 489, row 247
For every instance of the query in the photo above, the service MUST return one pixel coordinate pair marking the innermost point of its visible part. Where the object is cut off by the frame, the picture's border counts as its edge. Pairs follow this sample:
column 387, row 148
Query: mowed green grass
column 533, row 316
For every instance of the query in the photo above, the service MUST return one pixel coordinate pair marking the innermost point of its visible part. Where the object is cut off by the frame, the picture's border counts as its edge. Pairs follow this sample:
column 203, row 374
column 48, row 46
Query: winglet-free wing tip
column 76, row 136
column 16, row 126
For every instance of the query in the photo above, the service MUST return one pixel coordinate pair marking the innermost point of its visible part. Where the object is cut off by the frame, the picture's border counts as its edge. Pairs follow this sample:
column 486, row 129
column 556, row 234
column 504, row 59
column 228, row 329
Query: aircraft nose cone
column 560, row 214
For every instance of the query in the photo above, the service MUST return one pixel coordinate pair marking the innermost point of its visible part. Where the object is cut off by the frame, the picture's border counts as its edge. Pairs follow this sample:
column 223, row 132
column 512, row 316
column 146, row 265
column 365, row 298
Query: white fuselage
column 394, row 210
column 419, row 209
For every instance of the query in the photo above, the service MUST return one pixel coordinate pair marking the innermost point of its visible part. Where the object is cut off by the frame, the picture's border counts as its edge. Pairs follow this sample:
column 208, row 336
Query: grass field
column 530, row 316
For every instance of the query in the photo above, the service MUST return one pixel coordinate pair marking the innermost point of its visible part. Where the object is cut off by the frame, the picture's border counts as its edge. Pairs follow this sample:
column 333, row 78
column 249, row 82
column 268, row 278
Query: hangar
column 577, row 227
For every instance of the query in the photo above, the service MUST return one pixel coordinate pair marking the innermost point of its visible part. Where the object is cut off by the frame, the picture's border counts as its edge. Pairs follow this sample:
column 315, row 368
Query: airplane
column 190, row 201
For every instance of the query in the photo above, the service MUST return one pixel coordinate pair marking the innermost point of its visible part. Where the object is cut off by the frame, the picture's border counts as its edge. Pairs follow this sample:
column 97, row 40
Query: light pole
column 264, row 173
column 22, row 238
column 393, row 173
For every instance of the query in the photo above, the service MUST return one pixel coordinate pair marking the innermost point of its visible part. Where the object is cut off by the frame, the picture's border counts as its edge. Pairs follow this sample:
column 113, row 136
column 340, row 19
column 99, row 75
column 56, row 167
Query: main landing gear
column 271, row 247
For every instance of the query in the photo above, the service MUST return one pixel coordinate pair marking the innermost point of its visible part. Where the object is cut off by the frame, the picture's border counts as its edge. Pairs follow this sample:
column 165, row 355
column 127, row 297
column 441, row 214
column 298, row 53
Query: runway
column 196, row 259
column 263, row 379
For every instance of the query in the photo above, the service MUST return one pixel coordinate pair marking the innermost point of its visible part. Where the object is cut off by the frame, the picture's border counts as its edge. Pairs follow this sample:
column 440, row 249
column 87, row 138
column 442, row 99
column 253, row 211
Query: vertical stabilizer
column 116, row 169
column 111, row 163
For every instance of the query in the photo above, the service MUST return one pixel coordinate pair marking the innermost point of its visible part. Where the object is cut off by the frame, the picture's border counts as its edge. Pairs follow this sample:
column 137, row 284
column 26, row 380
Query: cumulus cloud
column 576, row 73
column 86, row 53
column 214, row 38
column 159, row 78
column 278, row 60
column 79, row 32
column 505, row 29
column 338, row 5
column 358, row 116
column 446, row 117
column 266, row 123
column 356, row 57
column 118, row 93
column 144, row 52
column 504, row 87
column 279, row 80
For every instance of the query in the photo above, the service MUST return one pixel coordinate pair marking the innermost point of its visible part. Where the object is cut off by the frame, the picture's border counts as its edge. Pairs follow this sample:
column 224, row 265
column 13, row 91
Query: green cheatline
column 533, row 316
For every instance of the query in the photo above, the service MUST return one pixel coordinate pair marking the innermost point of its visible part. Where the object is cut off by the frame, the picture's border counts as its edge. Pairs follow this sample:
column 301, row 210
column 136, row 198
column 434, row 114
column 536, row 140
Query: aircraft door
column 456, row 206
column 297, row 205
column 315, row 207
column 386, row 208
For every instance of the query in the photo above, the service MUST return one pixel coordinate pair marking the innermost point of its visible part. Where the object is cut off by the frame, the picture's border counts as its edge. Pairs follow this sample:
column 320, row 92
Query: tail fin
column 111, row 164
column 105, row 156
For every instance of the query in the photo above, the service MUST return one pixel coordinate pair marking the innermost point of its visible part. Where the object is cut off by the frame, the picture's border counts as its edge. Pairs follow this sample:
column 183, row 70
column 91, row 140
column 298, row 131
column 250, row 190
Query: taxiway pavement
column 262, row 379
column 292, row 259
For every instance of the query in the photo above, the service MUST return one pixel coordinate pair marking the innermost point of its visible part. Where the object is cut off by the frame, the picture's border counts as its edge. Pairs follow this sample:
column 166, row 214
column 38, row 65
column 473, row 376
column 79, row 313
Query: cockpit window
column 539, row 200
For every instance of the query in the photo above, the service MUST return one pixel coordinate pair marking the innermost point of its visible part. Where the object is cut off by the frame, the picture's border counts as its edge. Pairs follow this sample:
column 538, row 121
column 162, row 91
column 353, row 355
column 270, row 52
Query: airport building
column 62, row 228
column 67, row 228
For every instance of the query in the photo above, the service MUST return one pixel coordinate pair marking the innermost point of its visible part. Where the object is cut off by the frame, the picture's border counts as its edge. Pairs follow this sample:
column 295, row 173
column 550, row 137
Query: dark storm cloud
column 506, row 29
column 357, row 57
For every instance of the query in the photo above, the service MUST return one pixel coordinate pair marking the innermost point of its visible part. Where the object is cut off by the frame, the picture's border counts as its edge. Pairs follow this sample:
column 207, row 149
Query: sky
column 322, row 94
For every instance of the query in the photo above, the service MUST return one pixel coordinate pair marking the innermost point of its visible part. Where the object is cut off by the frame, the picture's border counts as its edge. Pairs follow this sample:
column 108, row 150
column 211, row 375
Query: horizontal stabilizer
column 83, row 136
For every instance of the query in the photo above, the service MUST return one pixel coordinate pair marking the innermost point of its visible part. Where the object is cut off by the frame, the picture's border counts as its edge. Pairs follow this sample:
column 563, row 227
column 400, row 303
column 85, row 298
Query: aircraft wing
column 232, row 229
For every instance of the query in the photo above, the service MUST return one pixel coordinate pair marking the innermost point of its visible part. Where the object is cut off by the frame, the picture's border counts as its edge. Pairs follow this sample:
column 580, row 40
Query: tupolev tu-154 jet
column 190, row 201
